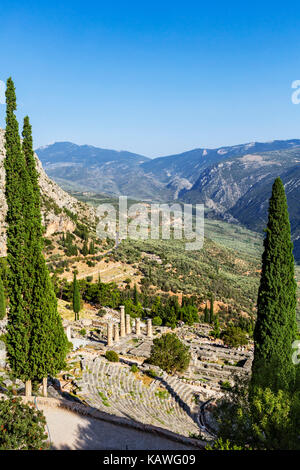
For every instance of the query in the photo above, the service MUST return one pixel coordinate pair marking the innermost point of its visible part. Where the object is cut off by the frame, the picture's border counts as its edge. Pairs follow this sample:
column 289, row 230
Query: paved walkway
column 71, row 431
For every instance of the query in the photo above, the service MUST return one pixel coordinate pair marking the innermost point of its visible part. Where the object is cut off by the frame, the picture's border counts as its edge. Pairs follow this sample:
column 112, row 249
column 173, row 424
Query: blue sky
column 153, row 77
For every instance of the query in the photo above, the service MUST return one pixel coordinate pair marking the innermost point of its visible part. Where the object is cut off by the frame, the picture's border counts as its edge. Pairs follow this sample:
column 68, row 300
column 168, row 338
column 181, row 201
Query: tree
column 189, row 314
column 157, row 321
column 76, row 298
column 2, row 301
column 22, row 427
column 135, row 295
column 259, row 420
column 48, row 342
column 206, row 314
column 216, row 332
column 17, row 189
column 169, row 353
column 275, row 328
column 85, row 250
column 92, row 248
column 211, row 309
column 234, row 336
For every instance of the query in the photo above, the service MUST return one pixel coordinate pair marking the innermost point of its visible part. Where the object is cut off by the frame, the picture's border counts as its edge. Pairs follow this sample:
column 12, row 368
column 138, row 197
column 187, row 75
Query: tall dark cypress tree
column 275, row 328
column 211, row 309
column 76, row 297
column 206, row 314
column 48, row 343
column 135, row 295
column 2, row 301
column 17, row 189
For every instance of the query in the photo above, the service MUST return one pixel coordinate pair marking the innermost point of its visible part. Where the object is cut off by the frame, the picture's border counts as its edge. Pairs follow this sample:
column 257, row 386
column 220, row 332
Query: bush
column 226, row 385
column 169, row 353
column 157, row 321
column 112, row 356
column 82, row 332
column 101, row 312
column 233, row 336
column 152, row 373
column 134, row 368
column 22, row 427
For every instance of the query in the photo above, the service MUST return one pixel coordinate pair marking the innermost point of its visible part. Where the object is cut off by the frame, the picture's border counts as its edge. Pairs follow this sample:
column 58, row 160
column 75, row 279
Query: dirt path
column 72, row 431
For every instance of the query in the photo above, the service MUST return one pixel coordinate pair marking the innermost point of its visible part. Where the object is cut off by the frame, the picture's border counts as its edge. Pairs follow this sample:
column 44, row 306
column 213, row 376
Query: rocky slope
column 55, row 202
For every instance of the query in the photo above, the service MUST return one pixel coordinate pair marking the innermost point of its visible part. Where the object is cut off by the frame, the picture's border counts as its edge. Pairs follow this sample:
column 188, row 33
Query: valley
column 234, row 182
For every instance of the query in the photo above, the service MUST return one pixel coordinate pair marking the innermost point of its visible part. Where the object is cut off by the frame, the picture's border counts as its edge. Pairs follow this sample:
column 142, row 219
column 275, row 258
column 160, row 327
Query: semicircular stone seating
column 112, row 388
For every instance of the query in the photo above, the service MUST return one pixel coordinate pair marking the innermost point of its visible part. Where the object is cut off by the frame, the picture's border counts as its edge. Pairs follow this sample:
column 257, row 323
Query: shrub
column 226, row 385
column 233, row 336
column 112, row 356
column 134, row 368
column 22, row 426
column 82, row 332
column 157, row 321
column 152, row 373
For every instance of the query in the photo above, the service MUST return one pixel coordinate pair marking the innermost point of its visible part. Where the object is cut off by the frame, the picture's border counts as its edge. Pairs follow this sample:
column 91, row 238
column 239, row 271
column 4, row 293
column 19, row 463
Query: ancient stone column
column 122, row 321
column 28, row 388
column 109, row 334
column 138, row 326
column 128, row 324
column 149, row 327
column 68, row 332
column 45, row 389
column 116, row 333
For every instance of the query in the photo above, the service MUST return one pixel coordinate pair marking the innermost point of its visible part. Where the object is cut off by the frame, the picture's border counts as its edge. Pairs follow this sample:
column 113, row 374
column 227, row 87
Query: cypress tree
column 2, row 301
column 16, row 193
column 48, row 343
column 76, row 297
column 211, row 309
column 85, row 250
column 275, row 328
column 92, row 248
column 206, row 314
column 135, row 295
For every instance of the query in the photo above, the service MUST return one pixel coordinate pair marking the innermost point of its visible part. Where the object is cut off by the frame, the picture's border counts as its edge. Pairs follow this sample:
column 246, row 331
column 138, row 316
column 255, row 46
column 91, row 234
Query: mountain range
column 233, row 182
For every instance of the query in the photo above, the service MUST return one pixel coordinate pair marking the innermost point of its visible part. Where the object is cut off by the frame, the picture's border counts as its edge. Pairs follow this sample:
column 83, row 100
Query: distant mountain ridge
column 234, row 182
column 88, row 168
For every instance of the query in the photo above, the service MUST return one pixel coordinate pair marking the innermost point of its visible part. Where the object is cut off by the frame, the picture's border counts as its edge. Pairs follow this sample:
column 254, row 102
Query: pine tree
column 2, row 301
column 16, row 193
column 76, row 298
column 275, row 328
column 48, row 343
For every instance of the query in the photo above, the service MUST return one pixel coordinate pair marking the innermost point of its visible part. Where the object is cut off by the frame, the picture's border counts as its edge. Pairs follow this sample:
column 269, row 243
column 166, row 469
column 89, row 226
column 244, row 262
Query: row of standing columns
column 113, row 332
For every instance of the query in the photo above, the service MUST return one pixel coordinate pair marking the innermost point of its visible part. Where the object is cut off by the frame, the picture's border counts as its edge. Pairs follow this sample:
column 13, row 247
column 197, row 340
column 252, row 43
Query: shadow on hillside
column 101, row 435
